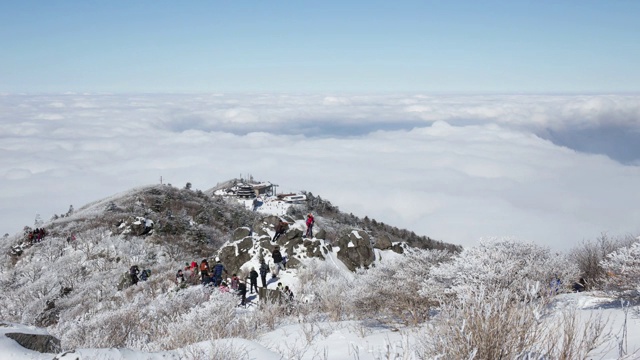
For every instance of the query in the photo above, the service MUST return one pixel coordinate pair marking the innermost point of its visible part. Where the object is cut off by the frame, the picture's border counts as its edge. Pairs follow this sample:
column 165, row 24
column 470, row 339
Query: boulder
column 316, row 252
column 245, row 244
column 322, row 234
column 292, row 263
column 260, row 231
column 241, row 233
column 293, row 234
column 397, row 248
column 356, row 250
column 383, row 243
column 313, row 248
column 230, row 260
column 270, row 221
column 37, row 342
column 267, row 245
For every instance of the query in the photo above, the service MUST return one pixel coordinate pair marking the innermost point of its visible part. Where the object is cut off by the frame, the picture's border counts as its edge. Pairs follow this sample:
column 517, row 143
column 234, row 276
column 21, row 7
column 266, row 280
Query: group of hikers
column 133, row 274
column 217, row 276
column 36, row 235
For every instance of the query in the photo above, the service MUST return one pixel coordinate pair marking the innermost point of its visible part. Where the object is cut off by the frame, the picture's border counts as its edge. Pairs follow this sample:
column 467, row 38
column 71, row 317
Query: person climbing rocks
column 281, row 228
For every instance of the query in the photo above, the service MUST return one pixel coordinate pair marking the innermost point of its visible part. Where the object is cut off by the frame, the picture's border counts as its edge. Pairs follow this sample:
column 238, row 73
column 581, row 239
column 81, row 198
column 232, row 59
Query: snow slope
column 335, row 340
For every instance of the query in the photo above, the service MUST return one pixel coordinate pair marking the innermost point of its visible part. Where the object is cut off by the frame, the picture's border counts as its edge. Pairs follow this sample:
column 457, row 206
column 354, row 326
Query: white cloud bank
column 455, row 168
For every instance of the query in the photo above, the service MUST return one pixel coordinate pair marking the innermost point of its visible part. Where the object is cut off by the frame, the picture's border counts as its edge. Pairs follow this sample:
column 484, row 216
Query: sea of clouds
column 551, row 169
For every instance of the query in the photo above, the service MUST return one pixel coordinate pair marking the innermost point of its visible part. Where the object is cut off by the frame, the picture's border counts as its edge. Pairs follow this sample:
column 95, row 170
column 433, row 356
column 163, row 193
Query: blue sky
column 330, row 46
column 499, row 118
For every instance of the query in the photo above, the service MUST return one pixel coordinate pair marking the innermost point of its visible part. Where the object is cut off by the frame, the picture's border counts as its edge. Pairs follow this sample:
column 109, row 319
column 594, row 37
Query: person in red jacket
column 310, row 222
column 204, row 272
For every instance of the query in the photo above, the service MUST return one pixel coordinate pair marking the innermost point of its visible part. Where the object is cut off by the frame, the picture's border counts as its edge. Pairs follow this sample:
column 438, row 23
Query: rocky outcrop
column 37, row 342
column 136, row 226
column 241, row 233
column 383, row 243
column 355, row 250
column 322, row 234
column 234, row 255
column 293, row 234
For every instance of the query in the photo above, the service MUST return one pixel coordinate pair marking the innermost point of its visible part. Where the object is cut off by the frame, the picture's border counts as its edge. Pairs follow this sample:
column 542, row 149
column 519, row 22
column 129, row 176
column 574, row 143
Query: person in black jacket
column 264, row 269
column 242, row 291
column 277, row 260
column 133, row 273
column 253, row 276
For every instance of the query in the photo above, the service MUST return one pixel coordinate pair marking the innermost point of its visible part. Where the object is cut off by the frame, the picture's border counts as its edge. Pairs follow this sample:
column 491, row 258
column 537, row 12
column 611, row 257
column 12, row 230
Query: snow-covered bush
column 269, row 315
column 212, row 319
column 391, row 288
column 622, row 270
column 505, row 264
column 327, row 287
column 153, row 323
column 589, row 255
column 492, row 324
column 214, row 350
column 484, row 324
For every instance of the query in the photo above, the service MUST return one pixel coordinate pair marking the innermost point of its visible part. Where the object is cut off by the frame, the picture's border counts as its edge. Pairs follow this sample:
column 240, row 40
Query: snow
column 10, row 349
column 343, row 340
column 300, row 337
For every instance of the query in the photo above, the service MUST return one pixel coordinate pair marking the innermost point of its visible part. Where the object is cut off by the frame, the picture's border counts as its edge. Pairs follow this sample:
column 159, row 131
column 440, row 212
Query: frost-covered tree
column 622, row 270
column 391, row 289
column 38, row 221
column 589, row 255
column 505, row 264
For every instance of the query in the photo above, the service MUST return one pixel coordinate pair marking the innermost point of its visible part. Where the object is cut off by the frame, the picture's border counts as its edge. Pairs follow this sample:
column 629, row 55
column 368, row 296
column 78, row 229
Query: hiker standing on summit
column 310, row 222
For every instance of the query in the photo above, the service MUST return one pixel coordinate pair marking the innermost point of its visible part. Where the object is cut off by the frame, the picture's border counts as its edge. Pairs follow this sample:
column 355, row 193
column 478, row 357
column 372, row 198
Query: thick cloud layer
column 455, row 168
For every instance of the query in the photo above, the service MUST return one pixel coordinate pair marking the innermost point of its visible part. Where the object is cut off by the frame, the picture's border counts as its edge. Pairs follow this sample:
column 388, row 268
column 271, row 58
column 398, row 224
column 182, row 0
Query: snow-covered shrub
column 589, row 255
column 492, row 324
column 268, row 315
column 570, row 337
column 484, row 324
column 391, row 288
column 153, row 323
column 212, row 319
column 505, row 264
column 214, row 350
column 327, row 287
column 622, row 270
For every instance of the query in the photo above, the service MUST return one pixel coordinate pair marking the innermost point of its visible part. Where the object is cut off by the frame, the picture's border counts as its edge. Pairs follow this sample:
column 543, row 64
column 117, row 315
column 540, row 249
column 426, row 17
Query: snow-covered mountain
column 73, row 280
column 362, row 289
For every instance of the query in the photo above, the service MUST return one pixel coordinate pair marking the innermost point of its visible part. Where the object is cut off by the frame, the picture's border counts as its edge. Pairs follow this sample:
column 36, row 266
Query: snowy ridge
column 357, row 293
